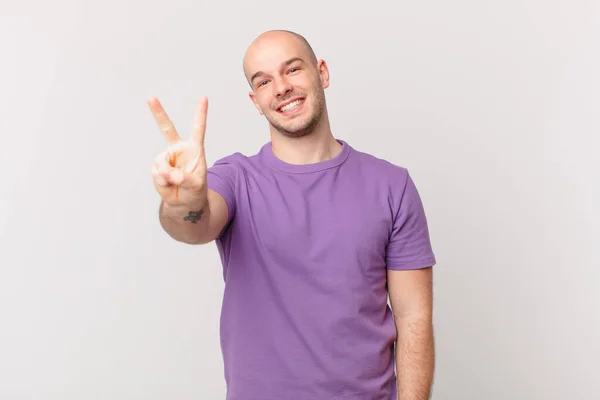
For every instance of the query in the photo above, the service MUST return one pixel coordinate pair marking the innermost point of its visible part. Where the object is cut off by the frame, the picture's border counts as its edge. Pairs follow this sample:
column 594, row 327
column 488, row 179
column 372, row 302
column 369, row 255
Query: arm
column 195, row 224
column 411, row 301
column 189, row 212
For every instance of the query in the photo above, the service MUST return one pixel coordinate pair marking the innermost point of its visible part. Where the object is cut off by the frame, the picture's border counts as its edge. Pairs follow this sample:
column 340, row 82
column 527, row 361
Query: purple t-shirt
column 305, row 252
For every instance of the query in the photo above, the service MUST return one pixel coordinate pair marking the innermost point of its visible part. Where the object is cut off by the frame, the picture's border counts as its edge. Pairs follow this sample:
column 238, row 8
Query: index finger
column 164, row 123
column 200, row 122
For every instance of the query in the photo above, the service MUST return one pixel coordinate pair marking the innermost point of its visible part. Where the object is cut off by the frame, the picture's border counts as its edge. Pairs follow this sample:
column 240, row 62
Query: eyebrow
column 283, row 64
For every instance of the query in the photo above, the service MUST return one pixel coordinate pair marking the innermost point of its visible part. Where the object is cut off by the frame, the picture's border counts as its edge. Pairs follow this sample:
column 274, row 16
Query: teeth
column 292, row 105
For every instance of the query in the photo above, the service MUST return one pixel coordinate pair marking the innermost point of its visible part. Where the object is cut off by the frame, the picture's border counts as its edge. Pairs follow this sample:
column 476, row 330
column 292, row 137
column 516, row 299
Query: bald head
column 271, row 42
column 287, row 83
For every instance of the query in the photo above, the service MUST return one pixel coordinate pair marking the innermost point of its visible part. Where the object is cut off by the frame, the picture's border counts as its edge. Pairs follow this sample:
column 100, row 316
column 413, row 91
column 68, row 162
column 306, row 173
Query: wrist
column 188, row 212
column 195, row 205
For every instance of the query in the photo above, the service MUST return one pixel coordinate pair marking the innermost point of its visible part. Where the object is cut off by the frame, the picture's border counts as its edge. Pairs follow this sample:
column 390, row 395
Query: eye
column 294, row 69
column 262, row 83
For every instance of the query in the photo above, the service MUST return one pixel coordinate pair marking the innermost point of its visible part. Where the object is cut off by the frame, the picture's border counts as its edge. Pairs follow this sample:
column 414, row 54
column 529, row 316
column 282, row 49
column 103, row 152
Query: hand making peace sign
column 179, row 172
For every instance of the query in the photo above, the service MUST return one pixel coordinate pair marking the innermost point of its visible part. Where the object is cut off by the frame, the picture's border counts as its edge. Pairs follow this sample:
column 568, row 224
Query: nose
column 282, row 87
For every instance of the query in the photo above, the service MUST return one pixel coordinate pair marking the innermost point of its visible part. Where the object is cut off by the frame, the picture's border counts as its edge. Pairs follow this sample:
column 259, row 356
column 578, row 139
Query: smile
column 291, row 107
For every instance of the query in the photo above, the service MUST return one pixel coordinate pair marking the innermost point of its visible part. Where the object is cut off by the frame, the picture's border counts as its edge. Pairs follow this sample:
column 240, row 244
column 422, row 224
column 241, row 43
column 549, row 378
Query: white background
column 492, row 105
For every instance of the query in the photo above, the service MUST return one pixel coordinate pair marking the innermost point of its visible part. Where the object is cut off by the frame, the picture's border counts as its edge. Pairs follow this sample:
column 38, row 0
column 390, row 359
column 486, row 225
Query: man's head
column 283, row 71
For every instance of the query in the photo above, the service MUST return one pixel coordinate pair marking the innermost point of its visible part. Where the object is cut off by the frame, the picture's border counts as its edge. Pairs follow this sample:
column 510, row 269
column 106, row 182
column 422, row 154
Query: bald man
column 314, row 236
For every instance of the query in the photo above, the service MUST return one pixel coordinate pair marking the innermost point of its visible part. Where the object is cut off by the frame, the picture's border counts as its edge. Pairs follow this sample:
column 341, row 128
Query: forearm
column 186, row 224
column 415, row 358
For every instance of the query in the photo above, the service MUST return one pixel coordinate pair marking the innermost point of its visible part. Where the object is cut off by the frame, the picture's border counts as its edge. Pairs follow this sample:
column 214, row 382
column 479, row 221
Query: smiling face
column 288, row 83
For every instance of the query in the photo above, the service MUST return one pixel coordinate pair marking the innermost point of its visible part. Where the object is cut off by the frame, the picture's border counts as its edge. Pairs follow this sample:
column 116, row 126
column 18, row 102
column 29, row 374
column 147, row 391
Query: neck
column 319, row 145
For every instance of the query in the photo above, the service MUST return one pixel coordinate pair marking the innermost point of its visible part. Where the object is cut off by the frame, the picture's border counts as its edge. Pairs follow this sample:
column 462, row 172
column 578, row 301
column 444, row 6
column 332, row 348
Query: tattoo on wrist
column 194, row 216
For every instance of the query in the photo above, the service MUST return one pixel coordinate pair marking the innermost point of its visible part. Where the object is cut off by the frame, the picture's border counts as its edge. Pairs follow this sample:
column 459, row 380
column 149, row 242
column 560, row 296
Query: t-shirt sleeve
column 221, row 178
column 409, row 246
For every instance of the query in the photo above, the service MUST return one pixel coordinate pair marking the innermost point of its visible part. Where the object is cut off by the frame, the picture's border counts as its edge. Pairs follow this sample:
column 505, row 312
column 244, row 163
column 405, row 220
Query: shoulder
column 240, row 160
column 234, row 166
column 393, row 181
column 235, row 160
column 226, row 170
column 380, row 170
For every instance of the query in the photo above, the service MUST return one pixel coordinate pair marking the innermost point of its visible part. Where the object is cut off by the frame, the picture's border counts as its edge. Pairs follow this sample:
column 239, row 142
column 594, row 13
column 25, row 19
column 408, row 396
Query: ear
column 323, row 73
column 253, row 98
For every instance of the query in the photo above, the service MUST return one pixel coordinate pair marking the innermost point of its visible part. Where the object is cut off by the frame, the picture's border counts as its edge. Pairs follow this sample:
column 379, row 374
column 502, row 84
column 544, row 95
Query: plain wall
column 492, row 105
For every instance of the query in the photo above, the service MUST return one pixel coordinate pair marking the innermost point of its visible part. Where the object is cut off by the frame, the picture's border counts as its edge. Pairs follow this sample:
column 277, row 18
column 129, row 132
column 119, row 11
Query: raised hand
column 179, row 172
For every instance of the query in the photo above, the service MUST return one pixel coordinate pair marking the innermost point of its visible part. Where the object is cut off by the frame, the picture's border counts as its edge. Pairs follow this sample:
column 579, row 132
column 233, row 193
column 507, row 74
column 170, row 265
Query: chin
column 295, row 134
column 296, row 130
column 298, row 126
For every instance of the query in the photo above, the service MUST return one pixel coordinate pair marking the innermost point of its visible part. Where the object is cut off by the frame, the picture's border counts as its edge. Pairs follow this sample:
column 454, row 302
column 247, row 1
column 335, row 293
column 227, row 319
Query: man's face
column 286, row 88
